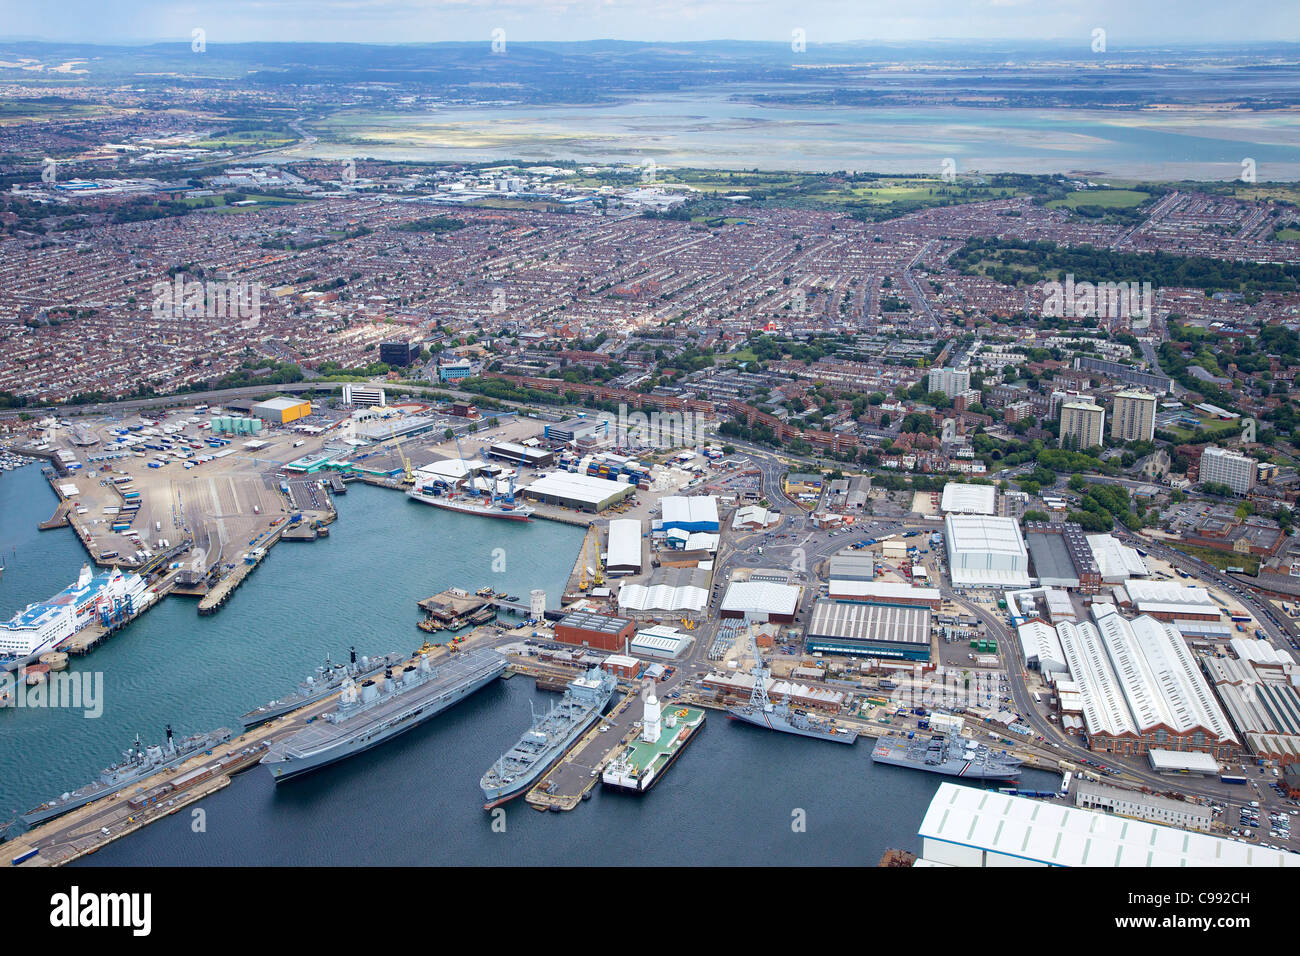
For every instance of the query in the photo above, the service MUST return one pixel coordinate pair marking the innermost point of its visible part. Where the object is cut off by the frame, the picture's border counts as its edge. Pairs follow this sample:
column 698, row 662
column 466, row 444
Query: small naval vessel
column 140, row 762
column 950, row 755
column 326, row 680
column 761, row 712
column 548, row 738
column 380, row 708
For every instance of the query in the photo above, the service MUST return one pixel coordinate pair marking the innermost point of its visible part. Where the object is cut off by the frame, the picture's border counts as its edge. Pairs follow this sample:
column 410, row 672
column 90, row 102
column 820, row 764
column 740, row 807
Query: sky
column 1128, row 23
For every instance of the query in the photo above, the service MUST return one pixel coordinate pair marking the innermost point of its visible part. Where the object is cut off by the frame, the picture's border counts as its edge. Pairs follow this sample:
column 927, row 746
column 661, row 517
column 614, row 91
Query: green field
column 1222, row 559
column 1105, row 198
column 251, row 137
column 1292, row 234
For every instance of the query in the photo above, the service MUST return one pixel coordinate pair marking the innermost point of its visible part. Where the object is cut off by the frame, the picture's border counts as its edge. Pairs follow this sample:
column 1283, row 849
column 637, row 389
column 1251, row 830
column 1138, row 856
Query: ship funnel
column 352, row 652
column 170, row 745
column 650, row 720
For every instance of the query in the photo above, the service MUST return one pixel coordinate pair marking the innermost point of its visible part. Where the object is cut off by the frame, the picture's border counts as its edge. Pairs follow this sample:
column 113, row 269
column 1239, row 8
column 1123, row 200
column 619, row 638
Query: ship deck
column 643, row 754
column 452, row 671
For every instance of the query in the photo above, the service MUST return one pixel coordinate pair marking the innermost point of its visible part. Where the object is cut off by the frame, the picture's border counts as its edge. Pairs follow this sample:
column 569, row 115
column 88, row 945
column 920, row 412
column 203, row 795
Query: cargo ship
column 380, row 708
column 439, row 496
column 662, row 739
column 139, row 764
column 947, row 754
column 107, row 599
column 327, row 679
column 548, row 738
column 761, row 712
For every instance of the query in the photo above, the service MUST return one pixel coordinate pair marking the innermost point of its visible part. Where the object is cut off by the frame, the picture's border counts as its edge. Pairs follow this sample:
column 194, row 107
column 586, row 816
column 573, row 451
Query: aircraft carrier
column 549, row 737
column 327, row 679
column 380, row 708
column 949, row 755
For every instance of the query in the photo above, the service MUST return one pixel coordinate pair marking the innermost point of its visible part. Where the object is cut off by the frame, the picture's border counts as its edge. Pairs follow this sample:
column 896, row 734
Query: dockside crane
column 408, row 476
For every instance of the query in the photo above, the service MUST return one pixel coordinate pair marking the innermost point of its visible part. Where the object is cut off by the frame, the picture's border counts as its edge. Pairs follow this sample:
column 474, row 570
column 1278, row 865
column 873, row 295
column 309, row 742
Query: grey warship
column 140, row 762
column 380, row 708
column 548, row 738
column 327, row 679
column 761, row 712
column 949, row 755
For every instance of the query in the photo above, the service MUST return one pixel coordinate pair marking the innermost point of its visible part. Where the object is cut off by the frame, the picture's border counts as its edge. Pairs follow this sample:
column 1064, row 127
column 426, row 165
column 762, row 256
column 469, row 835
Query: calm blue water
column 729, row 800
column 713, row 129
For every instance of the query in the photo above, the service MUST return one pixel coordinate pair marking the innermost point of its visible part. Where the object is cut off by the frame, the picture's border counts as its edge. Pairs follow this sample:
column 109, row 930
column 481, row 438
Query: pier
column 81, row 831
column 59, row 519
column 211, row 602
column 578, row 771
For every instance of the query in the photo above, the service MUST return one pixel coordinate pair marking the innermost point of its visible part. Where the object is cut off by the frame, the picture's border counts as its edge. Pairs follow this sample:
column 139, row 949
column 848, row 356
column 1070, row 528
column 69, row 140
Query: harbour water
column 733, row 798
column 720, row 130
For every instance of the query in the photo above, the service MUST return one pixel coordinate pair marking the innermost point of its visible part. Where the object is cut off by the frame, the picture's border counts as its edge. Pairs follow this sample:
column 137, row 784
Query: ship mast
column 758, row 694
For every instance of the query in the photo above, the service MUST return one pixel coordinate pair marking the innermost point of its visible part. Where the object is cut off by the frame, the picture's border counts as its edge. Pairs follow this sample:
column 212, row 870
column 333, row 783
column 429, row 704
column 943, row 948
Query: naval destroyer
column 549, row 737
column 139, row 763
column 327, row 679
column 948, row 754
column 761, row 712
column 380, row 708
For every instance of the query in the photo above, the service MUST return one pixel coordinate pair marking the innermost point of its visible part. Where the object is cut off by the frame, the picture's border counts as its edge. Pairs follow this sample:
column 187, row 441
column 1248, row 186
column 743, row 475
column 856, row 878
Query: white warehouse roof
column 624, row 544
column 585, row 488
column 963, row 823
column 1116, row 560
column 883, row 591
column 759, row 597
column 1159, row 677
column 968, row 499
column 693, row 510
column 661, row 597
column 1166, row 592
column 986, row 551
column 1040, row 644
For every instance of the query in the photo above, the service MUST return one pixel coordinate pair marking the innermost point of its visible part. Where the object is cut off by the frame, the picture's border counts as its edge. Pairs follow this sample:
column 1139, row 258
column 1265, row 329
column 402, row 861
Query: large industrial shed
column 961, row 498
column 869, row 630
column 1052, row 564
column 699, row 513
column 986, row 552
column 521, row 454
column 623, row 555
column 971, row 826
column 281, row 410
column 588, row 629
column 761, row 601
column 581, row 492
column 1041, row 647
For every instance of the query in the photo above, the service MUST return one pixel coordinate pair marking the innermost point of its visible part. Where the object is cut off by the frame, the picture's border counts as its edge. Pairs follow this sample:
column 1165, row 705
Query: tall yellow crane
column 583, row 584
column 407, row 475
column 600, row 568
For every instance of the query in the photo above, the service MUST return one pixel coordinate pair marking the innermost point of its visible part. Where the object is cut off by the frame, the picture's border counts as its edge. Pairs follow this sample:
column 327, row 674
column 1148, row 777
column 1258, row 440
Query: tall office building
column 951, row 381
column 1134, row 417
column 1082, row 424
column 1224, row 467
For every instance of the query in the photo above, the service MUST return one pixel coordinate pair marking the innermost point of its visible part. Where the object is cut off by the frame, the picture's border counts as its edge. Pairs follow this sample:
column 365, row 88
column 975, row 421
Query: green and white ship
column 664, row 735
